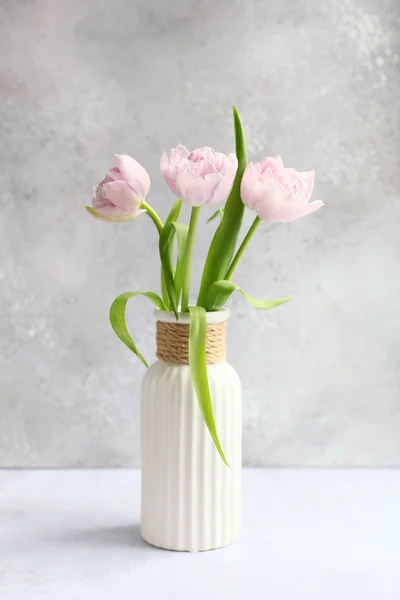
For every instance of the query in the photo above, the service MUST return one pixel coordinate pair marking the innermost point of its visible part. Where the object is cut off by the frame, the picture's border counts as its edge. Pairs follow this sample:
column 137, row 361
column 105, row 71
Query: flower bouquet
column 191, row 476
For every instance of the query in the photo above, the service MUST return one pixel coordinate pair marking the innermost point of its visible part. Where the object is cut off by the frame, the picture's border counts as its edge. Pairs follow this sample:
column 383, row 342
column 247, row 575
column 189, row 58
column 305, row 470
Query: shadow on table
column 117, row 536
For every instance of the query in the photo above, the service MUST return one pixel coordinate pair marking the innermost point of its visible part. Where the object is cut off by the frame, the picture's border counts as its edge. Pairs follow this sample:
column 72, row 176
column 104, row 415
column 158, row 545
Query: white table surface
column 307, row 534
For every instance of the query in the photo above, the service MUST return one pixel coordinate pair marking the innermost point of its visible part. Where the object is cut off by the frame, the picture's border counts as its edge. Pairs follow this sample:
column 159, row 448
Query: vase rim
column 166, row 316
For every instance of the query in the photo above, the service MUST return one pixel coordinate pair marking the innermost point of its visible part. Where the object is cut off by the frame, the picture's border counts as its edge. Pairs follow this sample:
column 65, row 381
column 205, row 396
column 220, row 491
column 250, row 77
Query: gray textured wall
column 317, row 82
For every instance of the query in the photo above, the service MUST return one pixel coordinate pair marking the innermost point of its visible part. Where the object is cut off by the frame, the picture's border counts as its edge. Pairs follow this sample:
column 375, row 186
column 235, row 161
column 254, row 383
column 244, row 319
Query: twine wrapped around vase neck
column 173, row 342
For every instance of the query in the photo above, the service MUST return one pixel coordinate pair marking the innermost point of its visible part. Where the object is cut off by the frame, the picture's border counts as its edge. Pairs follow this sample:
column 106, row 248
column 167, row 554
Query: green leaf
column 173, row 280
column 98, row 215
column 198, row 371
column 219, row 213
column 175, row 212
column 181, row 260
column 172, row 217
column 118, row 322
column 220, row 292
column 224, row 241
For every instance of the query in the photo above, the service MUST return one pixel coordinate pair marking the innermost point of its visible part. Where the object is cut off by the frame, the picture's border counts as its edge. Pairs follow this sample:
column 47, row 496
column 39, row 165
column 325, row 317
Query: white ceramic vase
column 191, row 500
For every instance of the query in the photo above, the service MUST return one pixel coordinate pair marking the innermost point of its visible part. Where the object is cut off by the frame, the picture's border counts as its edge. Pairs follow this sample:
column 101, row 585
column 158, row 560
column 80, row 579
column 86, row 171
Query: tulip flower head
column 199, row 177
column 278, row 194
column 119, row 195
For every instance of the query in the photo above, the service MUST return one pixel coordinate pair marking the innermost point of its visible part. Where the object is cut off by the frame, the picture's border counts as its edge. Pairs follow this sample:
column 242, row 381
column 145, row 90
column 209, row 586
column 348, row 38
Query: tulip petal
column 275, row 164
column 199, row 155
column 221, row 161
column 167, row 171
column 122, row 195
column 100, row 203
column 308, row 178
column 114, row 216
column 293, row 211
column 233, row 161
column 204, row 167
column 113, row 174
column 223, row 189
column 268, row 175
column 193, row 189
column 99, row 198
column 213, row 181
column 207, row 152
column 314, row 206
column 268, row 201
column 134, row 174
column 177, row 154
column 164, row 162
column 249, row 183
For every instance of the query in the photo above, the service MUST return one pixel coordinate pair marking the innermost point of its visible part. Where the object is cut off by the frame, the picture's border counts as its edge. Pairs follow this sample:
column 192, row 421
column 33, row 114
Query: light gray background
column 317, row 82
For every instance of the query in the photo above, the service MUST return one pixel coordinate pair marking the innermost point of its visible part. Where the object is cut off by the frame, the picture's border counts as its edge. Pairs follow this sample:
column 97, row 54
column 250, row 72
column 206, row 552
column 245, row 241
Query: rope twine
column 173, row 342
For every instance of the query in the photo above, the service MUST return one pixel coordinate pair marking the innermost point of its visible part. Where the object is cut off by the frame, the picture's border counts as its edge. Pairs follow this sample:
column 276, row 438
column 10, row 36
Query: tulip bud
column 119, row 196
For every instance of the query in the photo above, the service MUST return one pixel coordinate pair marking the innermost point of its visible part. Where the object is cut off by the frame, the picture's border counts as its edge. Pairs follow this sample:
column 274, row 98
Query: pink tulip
column 278, row 194
column 199, row 177
column 119, row 196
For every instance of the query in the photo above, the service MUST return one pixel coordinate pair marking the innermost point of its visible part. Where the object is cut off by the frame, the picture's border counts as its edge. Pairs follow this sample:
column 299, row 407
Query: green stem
column 153, row 215
column 164, row 291
column 171, row 218
column 159, row 224
column 242, row 248
column 189, row 252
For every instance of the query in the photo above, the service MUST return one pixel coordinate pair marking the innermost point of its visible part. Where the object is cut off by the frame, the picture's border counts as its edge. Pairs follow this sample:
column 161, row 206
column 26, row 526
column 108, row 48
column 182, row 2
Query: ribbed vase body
column 190, row 499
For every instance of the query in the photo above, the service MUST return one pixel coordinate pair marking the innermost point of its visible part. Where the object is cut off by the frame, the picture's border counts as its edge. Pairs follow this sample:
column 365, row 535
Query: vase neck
column 173, row 342
column 212, row 317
